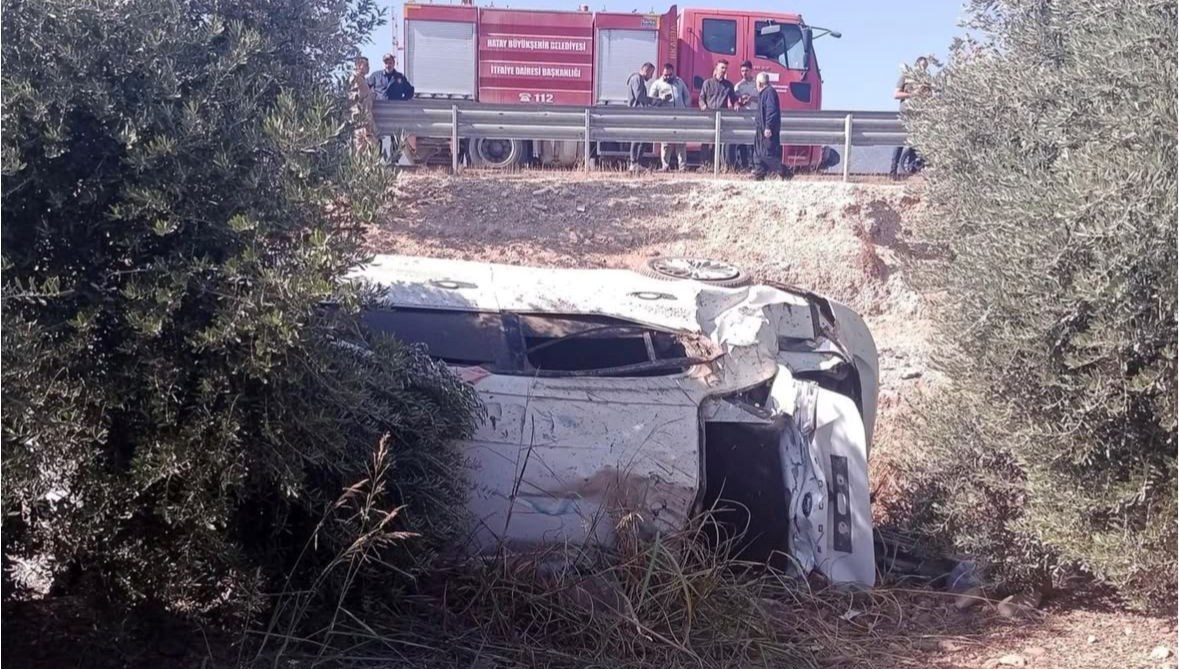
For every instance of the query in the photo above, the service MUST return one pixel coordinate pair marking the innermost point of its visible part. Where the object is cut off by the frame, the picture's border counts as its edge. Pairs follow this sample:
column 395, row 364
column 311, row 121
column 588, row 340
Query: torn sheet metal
column 824, row 458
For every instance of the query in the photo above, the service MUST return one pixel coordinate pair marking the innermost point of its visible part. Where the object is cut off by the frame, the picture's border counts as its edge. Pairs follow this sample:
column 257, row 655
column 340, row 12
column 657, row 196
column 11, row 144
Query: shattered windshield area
column 787, row 46
column 543, row 345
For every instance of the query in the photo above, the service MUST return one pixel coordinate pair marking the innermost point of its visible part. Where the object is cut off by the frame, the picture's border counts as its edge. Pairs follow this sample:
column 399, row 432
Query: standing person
column 671, row 91
column 389, row 84
column 716, row 94
column 636, row 96
column 364, row 132
column 767, row 141
column 906, row 88
column 746, row 90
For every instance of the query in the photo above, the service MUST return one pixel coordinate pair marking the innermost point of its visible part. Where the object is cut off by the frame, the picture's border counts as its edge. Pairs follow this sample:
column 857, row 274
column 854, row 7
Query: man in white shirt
column 670, row 91
column 746, row 90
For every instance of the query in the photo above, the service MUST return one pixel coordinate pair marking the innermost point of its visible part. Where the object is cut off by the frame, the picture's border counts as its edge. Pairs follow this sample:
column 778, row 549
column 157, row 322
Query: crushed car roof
column 430, row 283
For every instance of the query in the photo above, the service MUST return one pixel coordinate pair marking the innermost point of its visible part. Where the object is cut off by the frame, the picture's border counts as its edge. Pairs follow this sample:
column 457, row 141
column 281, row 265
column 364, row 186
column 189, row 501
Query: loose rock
column 1160, row 653
column 1091, row 639
column 1012, row 660
column 911, row 374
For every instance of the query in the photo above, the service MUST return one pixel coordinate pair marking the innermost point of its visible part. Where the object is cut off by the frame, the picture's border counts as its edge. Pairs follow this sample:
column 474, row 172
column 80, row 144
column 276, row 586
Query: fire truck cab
column 775, row 43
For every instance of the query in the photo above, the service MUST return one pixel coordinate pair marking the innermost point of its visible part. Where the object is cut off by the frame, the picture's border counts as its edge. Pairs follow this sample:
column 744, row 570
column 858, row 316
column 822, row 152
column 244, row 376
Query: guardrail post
column 586, row 135
column 847, row 134
column 716, row 148
column 454, row 140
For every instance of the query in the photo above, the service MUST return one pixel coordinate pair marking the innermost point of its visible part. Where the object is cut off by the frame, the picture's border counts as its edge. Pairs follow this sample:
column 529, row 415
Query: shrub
column 1052, row 150
column 179, row 200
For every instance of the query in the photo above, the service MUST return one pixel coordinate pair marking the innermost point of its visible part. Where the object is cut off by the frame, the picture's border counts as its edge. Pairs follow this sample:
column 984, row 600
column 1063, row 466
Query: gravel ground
column 847, row 241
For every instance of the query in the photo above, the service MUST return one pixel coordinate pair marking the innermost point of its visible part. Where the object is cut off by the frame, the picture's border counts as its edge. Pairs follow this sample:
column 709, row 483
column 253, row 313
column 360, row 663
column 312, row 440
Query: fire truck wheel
column 497, row 153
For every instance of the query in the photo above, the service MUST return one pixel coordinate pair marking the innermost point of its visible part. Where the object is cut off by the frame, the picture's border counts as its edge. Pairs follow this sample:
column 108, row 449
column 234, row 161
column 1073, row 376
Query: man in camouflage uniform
column 364, row 132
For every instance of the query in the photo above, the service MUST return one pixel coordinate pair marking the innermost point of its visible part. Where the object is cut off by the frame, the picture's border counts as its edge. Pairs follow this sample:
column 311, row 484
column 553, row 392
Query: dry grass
column 677, row 600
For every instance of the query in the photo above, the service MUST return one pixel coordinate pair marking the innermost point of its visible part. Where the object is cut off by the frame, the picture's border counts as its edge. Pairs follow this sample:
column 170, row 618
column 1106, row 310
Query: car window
column 536, row 344
column 454, row 337
column 719, row 36
column 587, row 344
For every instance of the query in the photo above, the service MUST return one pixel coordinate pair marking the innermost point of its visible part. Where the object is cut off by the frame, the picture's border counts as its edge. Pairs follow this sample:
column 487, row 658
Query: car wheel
column 704, row 270
column 497, row 153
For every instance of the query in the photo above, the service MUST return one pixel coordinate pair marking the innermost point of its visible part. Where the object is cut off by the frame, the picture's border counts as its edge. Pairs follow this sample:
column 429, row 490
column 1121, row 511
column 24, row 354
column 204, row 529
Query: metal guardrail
column 471, row 120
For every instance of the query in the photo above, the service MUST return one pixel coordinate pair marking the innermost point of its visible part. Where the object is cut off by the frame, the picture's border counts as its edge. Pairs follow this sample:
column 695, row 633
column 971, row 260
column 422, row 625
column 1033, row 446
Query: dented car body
column 609, row 393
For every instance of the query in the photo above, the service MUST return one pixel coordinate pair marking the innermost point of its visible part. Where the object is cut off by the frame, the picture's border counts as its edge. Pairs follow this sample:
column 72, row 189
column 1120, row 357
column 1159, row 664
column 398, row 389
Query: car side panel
column 567, row 460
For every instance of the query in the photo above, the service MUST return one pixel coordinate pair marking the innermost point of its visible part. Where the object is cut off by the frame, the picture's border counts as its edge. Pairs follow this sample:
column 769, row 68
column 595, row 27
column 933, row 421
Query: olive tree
column 1051, row 140
column 179, row 203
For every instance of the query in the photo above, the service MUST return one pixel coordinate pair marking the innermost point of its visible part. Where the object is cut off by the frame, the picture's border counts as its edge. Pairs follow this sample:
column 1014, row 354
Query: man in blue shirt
column 389, row 84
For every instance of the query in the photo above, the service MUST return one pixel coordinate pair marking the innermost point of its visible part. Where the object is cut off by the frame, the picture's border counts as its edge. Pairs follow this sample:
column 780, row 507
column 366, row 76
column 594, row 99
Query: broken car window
column 546, row 345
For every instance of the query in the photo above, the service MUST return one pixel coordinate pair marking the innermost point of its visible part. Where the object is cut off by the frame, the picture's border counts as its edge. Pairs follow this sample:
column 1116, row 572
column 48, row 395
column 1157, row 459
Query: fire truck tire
column 497, row 153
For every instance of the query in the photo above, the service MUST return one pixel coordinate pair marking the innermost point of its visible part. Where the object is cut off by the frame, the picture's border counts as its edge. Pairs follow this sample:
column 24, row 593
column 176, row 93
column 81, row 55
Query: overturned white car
column 609, row 392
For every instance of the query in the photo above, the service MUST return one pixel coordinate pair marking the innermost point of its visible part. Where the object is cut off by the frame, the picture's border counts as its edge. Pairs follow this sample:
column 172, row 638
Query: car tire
column 498, row 154
column 704, row 270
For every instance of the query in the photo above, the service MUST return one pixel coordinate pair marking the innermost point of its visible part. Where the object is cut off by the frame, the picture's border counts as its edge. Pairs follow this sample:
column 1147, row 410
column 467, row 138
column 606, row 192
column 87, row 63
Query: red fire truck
column 528, row 57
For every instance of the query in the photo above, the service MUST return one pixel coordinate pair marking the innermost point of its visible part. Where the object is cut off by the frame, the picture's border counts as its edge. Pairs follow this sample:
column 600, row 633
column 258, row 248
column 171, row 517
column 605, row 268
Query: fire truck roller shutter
column 441, row 58
column 619, row 53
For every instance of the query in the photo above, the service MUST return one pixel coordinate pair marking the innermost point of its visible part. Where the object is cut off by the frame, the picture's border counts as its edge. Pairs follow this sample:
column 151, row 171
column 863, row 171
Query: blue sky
column 859, row 70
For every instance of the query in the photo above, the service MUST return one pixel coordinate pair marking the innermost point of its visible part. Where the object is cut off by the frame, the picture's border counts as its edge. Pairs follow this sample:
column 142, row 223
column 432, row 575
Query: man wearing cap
column 389, row 84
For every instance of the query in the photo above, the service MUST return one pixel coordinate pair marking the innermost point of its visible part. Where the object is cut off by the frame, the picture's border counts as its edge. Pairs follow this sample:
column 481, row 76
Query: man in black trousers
column 767, row 145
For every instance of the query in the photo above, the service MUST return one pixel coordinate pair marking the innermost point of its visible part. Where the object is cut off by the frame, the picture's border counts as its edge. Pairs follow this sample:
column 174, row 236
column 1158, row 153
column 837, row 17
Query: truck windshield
column 786, row 46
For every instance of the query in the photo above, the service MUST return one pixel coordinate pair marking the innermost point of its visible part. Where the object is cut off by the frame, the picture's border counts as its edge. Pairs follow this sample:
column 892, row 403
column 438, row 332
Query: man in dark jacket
column 767, row 145
column 389, row 84
column 636, row 96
